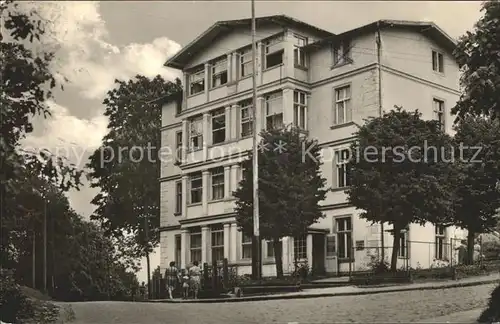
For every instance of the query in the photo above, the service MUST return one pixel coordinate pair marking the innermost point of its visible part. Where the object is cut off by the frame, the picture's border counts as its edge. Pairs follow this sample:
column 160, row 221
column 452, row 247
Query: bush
column 492, row 313
column 16, row 307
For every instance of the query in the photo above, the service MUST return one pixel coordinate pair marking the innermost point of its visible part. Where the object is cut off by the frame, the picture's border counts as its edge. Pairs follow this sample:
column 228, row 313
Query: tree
column 126, row 167
column 477, row 55
column 26, row 86
column 393, row 172
column 477, row 140
column 290, row 188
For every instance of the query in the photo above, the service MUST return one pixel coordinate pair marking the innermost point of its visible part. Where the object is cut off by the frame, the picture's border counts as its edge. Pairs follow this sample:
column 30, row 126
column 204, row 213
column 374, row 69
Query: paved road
column 410, row 306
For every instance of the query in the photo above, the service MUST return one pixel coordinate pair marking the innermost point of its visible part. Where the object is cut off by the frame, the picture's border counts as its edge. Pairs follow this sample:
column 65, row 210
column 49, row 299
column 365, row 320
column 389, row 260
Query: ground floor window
column 300, row 247
column 246, row 246
column 217, row 245
column 195, row 244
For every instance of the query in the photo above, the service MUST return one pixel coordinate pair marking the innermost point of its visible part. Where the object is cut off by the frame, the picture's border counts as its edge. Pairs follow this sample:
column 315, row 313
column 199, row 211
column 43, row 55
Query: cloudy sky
column 97, row 42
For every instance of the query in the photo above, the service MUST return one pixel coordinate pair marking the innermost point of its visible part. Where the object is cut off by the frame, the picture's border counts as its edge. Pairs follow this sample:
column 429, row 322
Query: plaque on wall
column 360, row 245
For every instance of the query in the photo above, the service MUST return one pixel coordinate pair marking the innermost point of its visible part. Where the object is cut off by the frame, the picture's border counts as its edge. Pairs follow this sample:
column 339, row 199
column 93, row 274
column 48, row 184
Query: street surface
column 409, row 306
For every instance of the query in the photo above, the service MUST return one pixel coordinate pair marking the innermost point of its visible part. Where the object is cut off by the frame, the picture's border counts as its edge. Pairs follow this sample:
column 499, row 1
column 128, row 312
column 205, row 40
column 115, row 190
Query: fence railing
column 415, row 254
column 216, row 278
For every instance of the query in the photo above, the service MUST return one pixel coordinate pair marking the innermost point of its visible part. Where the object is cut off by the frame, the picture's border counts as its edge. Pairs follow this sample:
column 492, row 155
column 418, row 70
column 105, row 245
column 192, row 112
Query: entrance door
column 318, row 257
column 331, row 260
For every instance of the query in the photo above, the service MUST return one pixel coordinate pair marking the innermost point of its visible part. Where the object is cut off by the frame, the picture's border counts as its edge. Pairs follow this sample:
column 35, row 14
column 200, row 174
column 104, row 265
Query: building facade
column 324, row 83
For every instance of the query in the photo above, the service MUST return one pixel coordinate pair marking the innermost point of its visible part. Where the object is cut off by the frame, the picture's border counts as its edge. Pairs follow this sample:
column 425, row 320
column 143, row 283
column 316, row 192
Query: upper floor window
column 439, row 112
column 246, row 66
column 246, row 119
column 274, row 110
column 196, row 133
column 299, row 56
column 437, row 61
column 197, row 82
column 341, row 53
column 274, row 52
column 178, row 197
column 219, row 73
column 178, row 106
column 178, row 145
column 218, row 126
column 342, row 107
column 300, row 109
column 217, row 175
column 342, row 158
column 196, row 187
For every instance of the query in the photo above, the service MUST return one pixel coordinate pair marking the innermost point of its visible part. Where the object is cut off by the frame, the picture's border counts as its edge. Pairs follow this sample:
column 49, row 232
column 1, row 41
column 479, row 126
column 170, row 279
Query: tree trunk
column 470, row 248
column 148, row 266
column 278, row 256
column 395, row 249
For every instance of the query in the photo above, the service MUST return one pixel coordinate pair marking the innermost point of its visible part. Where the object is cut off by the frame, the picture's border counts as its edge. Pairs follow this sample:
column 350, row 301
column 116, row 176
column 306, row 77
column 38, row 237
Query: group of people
column 188, row 279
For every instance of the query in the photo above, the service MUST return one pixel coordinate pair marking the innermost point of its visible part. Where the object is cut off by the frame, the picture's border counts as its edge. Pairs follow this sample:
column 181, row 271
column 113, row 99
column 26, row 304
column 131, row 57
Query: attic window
column 219, row 73
column 197, row 82
column 274, row 52
column 437, row 62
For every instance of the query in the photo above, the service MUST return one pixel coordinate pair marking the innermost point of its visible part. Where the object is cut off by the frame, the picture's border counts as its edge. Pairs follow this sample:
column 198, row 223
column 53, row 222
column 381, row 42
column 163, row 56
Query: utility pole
column 256, row 230
column 45, row 244
column 148, row 266
column 380, row 108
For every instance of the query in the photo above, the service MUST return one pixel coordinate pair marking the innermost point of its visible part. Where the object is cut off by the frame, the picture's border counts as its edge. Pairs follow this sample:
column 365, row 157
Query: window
column 219, row 73
column 246, row 118
column 403, row 244
column 437, row 62
column 178, row 146
column 218, row 126
column 178, row 107
column 274, row 52
column 217, row 243
column 439, row 112
column 195, row 244
column 440, row 242
column 178, row 197
column 246, row 246
column 342, row 106
column 344, row 237
column 341, row 53
column 196, row 134
column 270, row 248
column 300, row 109
column 299, row 56
column 197, row 82
column 274, row 110
column 217, row 183
column 342, row 158
column 300, row 247
column 246, row 66
column 178, row 250
column 196, row 187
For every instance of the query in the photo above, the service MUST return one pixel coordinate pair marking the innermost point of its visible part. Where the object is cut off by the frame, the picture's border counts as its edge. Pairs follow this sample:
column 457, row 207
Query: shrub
column 377, row 265
column 492, row 313
column 16, row 307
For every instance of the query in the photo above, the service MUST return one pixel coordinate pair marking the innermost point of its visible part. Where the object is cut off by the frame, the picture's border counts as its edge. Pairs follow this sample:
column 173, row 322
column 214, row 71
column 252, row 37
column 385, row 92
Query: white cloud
column 67, row 136
column 86, row 58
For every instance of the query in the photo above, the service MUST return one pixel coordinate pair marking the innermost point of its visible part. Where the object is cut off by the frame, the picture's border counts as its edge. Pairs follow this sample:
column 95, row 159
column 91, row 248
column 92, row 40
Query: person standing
column 172, row 278
column 195, row 274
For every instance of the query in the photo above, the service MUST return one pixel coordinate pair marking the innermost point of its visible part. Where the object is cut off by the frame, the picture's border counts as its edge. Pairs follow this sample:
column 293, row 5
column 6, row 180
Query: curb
column 319, row 295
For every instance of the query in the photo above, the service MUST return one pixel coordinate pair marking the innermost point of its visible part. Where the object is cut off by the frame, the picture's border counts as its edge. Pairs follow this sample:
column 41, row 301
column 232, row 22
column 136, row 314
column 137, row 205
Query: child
column 185, row 284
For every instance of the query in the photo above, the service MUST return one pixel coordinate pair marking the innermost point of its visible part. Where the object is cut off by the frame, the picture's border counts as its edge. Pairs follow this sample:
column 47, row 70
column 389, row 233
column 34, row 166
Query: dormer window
column 342, row 53
column 274, row 52
column 219, row 73
column 197, row 82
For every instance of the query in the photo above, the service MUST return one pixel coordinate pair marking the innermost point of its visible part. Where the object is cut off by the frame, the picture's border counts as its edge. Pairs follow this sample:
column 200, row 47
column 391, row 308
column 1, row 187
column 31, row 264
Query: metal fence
column 413, row 254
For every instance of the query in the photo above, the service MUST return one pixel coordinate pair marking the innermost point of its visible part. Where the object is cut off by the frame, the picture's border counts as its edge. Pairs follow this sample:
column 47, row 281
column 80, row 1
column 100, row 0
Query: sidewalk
column 348, row 291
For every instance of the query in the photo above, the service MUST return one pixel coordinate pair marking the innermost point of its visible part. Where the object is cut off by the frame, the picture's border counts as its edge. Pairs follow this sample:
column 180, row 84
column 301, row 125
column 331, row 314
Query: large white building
column 322, row 82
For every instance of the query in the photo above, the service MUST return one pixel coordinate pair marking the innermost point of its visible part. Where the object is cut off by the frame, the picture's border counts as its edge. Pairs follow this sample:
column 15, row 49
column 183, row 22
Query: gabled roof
column 179, row 60
column 429, row 29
